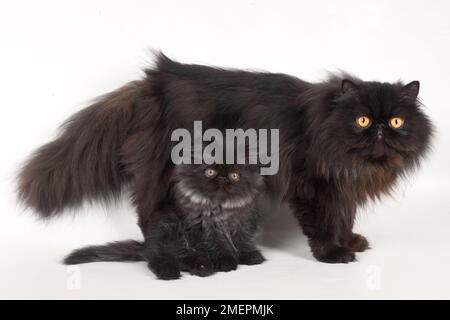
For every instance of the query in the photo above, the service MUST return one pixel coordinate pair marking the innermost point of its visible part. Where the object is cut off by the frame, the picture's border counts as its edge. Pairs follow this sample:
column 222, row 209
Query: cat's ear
column 348, row 86
column 411, row 90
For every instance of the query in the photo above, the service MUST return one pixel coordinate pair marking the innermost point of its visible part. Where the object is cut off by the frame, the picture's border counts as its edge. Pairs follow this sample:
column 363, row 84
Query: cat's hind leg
column 161, row 246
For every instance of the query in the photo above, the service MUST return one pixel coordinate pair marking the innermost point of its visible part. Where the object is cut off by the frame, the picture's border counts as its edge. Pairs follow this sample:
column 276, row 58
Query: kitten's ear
column 348, row 86
column 411, row 90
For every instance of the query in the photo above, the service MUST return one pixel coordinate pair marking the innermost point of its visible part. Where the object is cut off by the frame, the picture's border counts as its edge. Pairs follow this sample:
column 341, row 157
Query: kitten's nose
column 222, row 179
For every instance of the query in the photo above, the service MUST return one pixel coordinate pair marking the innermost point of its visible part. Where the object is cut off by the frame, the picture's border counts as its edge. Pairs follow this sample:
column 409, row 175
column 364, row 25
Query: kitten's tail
column 128, row 250
column 83, row 162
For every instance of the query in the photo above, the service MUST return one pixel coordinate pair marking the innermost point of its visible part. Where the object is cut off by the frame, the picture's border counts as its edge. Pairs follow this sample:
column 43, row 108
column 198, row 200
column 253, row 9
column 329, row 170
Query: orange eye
column 363, row 121
column 234, row 176
column 210, row 173
column 396, row 122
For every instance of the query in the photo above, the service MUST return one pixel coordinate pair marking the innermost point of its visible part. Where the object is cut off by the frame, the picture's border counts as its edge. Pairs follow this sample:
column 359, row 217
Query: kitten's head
column 230, row 186
column 377, row 123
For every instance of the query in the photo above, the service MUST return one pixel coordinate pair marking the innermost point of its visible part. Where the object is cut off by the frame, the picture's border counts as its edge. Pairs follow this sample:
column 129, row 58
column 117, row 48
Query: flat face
column 378, row 121
column 221, row 184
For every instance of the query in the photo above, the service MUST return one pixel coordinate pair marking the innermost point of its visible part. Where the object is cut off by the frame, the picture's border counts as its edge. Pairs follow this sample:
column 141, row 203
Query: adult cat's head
column 225, row 185
column 370, row 124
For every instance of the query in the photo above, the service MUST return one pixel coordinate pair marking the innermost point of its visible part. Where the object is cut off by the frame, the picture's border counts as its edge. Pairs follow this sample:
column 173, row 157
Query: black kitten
column 342, row 142
column 208, row 225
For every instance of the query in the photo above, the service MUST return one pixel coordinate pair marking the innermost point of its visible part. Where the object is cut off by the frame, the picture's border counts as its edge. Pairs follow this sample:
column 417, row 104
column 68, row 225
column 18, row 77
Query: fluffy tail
column 128, row 250
column 83, row 162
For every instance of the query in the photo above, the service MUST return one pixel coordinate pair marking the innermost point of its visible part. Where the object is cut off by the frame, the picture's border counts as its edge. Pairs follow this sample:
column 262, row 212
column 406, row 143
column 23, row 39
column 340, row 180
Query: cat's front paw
column 333, row 254
column 165, row 270
column 358, row 243
column 251, row 257
column 225, row 264
column 201, row 268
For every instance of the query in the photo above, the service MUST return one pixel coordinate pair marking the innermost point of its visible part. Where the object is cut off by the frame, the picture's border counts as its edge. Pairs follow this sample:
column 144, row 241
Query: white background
column 57, row 55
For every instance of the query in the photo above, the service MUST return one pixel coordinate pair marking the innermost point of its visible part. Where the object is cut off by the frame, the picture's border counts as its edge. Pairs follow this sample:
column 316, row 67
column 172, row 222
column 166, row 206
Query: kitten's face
column 380, row 123
column 230, row 186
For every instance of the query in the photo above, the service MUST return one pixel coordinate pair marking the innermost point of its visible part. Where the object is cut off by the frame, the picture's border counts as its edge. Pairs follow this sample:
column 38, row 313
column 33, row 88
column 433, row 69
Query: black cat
column 342, row 142
column 208, row 225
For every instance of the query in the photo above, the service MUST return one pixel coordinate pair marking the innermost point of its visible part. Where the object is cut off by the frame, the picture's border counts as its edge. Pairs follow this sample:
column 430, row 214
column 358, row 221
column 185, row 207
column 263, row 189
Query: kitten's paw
column 225, row 264
column 202, row 269
column 165, row 270
column 334, row 254
column 358, row 243
column 251, row 258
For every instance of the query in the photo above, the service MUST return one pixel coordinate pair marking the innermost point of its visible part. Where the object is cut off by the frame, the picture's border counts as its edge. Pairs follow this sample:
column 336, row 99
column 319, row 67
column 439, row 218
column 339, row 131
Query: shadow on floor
column 281, row 230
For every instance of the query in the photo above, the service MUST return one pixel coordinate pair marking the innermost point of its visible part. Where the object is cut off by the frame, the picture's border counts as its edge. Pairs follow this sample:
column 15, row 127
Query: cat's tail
column 128, row 250
column 83, row 162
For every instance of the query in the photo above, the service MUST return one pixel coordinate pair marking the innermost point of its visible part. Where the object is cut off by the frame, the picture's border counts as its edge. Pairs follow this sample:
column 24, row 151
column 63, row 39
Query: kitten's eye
column 210, row 173
column 363, row 121
column 234, row 176
column 396, row 122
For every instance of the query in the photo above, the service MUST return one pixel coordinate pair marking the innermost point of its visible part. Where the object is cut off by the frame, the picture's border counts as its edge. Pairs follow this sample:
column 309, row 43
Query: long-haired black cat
column 342, row 142
column 208, row 224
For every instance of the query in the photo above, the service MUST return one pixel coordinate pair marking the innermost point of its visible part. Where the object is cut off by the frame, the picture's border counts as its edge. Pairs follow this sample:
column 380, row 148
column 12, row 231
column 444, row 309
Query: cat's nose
column 380, row 127
column 222, row 179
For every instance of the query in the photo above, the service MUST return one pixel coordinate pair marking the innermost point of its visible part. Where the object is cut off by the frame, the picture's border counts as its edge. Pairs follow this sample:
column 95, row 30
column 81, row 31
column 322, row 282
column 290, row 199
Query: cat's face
column 379, row 123
column 230, row 186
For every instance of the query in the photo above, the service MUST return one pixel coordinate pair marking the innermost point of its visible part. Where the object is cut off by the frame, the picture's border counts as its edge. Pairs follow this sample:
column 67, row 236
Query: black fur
column 207, row 225
column 84, row 162
column 128, row 250
column 328, row 165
